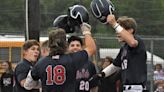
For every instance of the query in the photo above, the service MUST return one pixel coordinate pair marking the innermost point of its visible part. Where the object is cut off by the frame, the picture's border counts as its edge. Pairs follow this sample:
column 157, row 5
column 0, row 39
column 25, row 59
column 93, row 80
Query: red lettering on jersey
column 49, row 80
column 59, row 75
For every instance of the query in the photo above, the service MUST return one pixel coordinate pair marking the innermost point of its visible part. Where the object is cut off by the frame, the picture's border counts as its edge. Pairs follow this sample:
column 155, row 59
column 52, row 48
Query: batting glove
column 86, row 29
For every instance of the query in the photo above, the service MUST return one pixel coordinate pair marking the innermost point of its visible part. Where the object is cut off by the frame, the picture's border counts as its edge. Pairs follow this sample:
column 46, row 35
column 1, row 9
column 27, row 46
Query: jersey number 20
column 55, row 75
column 84, row 85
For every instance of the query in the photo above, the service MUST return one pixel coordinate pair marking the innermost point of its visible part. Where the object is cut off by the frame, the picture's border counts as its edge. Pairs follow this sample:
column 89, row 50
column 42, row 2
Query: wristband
column 118, row 28
column 86, row 33
column 116, row 25
column 86, row 28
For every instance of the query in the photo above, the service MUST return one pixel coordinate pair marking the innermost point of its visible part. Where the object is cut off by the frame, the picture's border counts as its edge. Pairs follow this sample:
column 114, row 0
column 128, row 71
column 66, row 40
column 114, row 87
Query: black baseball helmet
column 101, row 8
column 78, row 14
column 62, row 21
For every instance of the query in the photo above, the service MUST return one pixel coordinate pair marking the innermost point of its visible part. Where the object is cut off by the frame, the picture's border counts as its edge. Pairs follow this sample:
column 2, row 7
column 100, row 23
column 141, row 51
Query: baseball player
column 85, row 72
column 132, row 56
column 31, row 51
column 44, row 48
column 57, row 71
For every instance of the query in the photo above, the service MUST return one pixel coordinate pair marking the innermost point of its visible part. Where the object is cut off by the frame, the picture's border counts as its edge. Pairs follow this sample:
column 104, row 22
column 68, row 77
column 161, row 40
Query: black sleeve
column 35, row 72
column 93, row 83
column 80, row 58
column 118, row 75
column 1, row 80
column 117, row 60
column 21, row 72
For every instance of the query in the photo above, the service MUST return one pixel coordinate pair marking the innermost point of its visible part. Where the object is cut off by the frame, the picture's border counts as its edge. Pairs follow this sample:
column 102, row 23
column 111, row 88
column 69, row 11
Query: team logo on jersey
column 84, row 73
column 124, row 54
column 124, row 63
column 6, row 81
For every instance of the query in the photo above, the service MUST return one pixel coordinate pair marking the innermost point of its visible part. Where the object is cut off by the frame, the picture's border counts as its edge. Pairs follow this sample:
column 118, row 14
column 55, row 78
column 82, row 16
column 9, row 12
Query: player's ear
column 24, row 52
column 131, row 30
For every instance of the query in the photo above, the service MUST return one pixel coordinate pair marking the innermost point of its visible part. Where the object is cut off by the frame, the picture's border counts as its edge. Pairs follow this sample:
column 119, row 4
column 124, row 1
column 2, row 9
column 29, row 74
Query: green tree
column 11, row 16
column 148, row 14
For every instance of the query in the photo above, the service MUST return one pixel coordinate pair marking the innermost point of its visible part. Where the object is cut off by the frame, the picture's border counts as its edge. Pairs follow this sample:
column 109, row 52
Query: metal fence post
column 152, row 67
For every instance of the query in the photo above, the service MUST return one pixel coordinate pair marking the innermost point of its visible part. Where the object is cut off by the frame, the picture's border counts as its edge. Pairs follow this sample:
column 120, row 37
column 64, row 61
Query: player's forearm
column 90, row 45
column 125, row 35
column 122, row 32
column 109, row 70
column 128, row 38
column 89, row 41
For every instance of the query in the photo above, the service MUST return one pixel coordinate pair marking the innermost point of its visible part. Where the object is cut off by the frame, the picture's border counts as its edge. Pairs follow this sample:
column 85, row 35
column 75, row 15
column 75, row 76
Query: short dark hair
column 57, row 41
column 29, row 43
column 75, row 38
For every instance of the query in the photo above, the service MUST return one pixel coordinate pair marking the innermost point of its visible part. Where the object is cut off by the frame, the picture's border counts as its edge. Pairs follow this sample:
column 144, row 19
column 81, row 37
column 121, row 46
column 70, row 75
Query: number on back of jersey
column 84, row 85
column 56, row 75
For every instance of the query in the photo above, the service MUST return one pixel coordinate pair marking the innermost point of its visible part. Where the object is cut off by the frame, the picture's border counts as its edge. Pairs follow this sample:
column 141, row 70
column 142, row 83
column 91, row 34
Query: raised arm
column 89, row 41
column 126, row 35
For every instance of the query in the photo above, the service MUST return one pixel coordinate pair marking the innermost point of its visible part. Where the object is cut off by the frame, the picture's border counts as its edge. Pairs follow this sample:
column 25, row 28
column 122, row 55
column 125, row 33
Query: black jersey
column 133, row 63
column 58, row 73
column 20, row 74
column 83, row 75
column 6, row 82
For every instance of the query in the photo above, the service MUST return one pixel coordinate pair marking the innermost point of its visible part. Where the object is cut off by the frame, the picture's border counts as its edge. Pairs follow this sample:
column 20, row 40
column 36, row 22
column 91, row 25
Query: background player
column 31, row 51
column 44, row 49
column 58, row 70
column 85, row 72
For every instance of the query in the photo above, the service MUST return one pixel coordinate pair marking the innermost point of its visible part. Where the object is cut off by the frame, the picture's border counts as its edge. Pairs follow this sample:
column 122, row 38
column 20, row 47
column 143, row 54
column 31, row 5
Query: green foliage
column 11, row 16
column 149, row 14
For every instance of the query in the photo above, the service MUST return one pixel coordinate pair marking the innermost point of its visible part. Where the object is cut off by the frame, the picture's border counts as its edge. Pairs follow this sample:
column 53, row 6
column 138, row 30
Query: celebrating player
column 85, row 72
column 31, row 50
column 132, row 56
column 44, row 49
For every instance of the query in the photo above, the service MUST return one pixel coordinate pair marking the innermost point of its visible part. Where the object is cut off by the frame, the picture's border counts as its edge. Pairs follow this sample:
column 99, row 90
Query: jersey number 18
column 55, row 75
